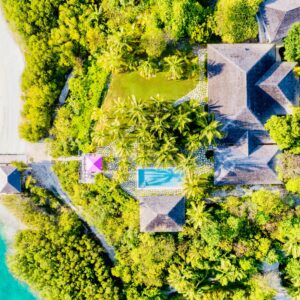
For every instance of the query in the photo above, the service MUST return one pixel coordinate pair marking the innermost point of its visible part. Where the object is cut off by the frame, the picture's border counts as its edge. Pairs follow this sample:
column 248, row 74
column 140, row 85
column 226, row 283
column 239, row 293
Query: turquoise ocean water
column 10, row 288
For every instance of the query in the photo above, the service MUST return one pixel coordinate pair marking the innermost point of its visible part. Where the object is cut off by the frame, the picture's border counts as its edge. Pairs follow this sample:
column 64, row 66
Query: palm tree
column 136, row 111
column 147, row 70
column 292, row 245
column 195, row 184
column 186, row 163
column 96, row 14
column 167, row 153
column 198, row 215
column 210, row 133
column 112, row 61
column 181, row 120
column 160, row 125
column 175, row 67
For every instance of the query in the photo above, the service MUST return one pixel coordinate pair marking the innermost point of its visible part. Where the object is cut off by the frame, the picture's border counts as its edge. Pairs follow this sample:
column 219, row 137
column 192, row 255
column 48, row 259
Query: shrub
column 292, row 44
column 235, row 20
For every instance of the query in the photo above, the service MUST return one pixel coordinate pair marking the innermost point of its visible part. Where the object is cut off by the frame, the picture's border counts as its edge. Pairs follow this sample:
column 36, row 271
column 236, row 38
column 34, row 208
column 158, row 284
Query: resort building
column 10, row 180
column 246, row 86
column 276, row 17
column 162, row 213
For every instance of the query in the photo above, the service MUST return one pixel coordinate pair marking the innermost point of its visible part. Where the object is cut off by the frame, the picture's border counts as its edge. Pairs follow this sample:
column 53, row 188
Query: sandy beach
column 11, row 68
column 11, row 224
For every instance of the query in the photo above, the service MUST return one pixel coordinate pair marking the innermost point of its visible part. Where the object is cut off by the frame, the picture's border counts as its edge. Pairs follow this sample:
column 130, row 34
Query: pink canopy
column 93, row 163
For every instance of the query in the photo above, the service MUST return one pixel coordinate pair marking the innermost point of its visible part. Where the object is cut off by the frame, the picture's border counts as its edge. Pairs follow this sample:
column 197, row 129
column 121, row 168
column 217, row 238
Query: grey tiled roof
column 10, row 180
column 233, row 71
column 245, row 88
column 246, row 162
column 281, row 84
column 278, row 16
column 162, row 213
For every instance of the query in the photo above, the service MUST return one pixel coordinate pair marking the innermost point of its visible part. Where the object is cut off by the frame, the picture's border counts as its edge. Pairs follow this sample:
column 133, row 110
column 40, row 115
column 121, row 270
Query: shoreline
column 10, row 224
column 12, row 65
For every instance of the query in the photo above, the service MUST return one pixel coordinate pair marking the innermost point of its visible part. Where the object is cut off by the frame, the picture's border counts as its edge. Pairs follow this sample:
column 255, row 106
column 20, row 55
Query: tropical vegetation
column 235, row 20
column 218, row 255
column 285, row 131
column 156, row 132
column 56, row 255
column 292, row 43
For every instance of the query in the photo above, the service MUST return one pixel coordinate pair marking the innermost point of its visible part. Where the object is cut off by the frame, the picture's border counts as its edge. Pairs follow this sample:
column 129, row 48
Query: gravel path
column 200, row 91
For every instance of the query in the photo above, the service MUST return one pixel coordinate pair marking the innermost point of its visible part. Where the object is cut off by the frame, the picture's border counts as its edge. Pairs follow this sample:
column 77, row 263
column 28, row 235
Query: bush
column 292, row 44
column 285, row 131
column 235, row 20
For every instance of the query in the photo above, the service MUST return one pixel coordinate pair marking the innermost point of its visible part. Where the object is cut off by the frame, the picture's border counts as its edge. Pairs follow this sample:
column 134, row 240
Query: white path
column 11, row 68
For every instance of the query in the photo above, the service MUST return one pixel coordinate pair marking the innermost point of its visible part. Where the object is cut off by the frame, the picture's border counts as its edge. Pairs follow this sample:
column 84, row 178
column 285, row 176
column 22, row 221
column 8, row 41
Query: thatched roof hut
column 10, row 180
column 162, row 213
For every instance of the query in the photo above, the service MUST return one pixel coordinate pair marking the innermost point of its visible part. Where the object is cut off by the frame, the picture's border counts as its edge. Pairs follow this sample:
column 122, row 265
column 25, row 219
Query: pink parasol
column 93, row 163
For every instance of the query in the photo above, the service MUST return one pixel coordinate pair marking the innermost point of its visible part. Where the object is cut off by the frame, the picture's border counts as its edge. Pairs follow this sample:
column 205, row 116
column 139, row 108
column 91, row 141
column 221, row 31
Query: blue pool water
column 10, row 288
column 152, row 178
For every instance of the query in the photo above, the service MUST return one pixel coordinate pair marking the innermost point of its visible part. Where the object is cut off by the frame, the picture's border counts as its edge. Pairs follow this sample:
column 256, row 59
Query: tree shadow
column 213, row 68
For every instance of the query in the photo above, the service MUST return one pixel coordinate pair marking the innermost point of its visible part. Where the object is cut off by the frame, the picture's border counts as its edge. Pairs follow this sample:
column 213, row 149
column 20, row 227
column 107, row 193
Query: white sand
column 11, row 224
column 12, row 147
column 11, row 68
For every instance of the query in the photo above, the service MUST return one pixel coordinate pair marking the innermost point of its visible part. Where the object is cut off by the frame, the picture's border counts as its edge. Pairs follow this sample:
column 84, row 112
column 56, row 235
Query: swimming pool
column 153, row 178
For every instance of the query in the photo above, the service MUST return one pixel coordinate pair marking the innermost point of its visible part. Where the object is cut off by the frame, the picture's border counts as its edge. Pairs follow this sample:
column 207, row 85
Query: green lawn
column 127, row 84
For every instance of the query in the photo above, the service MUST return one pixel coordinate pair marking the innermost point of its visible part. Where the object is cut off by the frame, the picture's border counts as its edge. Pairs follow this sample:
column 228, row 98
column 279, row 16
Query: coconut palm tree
column 292, row 245
column 136, row 111
column 166, row 156
column 147, row 69
column 198, row 215
column 175, row 67
column 195, row 184
column 96, row 15
column 181, row 120
column 210, row 133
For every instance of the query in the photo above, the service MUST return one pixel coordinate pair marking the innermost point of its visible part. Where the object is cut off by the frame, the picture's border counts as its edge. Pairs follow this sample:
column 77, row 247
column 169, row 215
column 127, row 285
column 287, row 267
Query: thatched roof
column 246, row 162
column 10, row 180
column 281, row 84
column 246, row 86
column 233, row 71
column 162, row 213
column 278, row 16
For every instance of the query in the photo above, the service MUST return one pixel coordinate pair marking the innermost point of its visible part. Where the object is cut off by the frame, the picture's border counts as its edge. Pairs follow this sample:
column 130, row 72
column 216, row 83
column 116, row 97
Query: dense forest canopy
column 54, row 254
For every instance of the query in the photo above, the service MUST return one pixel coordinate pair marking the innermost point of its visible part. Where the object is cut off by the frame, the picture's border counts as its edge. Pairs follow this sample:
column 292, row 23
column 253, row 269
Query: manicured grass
column 127, row 84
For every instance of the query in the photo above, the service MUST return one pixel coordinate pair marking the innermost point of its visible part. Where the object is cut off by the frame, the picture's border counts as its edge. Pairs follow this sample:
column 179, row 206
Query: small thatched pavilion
column 162, row 213
column 10, row 180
